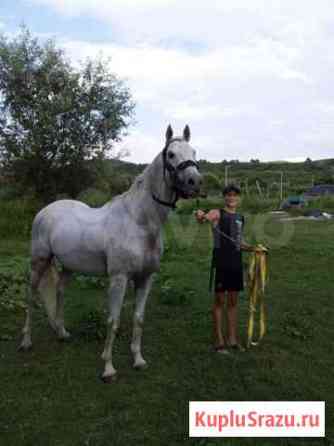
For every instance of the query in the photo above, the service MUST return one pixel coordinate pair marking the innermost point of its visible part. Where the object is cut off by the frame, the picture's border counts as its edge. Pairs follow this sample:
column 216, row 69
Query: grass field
column 52, row 396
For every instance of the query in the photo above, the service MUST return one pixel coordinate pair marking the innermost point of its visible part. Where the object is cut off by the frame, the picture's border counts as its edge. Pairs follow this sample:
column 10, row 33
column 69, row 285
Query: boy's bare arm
column 251, row 248
column 247, row 247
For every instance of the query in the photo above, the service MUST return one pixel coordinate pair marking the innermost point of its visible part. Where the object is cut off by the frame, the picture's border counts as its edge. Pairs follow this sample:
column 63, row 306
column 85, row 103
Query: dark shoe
column 222, row 350
column 237, row 347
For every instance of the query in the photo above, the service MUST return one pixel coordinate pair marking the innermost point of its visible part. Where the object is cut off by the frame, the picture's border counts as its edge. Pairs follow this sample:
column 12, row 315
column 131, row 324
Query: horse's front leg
column 142, row 287
column 116, row 294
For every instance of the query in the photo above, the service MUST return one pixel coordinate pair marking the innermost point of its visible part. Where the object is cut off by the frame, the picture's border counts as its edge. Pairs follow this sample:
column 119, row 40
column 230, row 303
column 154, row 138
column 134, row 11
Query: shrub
column 17, row 217
column 94, row 197
column 324, row 203
column 13, row 282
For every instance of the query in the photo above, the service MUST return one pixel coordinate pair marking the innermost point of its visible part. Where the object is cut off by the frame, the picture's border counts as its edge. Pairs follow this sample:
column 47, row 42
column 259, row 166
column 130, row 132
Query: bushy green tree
column 212, row 183
column 55, row 119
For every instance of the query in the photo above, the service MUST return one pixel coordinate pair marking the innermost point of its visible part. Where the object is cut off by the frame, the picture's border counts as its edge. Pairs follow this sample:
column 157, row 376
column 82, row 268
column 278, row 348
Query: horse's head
column 179, row 162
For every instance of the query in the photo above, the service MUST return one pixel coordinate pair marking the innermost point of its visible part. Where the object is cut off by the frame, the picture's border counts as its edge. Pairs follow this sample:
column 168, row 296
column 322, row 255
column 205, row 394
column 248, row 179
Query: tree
column 308, row 163
column 55, row 119
column 212, row 184
column 255, row 161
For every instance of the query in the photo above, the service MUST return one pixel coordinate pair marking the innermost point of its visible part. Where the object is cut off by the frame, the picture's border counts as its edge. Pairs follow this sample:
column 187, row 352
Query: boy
column 227, row 261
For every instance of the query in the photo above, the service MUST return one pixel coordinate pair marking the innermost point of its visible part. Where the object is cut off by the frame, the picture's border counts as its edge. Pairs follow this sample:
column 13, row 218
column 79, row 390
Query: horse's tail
column 48, row 292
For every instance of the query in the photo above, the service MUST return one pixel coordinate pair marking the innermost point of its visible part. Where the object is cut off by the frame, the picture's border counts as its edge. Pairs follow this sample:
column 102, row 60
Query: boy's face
column 232, row 200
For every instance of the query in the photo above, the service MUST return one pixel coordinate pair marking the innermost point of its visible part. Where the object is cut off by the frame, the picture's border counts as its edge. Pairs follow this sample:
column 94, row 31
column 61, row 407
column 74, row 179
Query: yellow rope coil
column 257, row 279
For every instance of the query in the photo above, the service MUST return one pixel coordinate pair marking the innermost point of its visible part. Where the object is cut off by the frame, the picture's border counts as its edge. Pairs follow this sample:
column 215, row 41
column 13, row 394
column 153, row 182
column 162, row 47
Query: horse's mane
column 141, row 182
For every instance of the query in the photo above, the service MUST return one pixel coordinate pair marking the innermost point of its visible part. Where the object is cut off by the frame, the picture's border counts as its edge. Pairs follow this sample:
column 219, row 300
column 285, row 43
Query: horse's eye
column 171, row 155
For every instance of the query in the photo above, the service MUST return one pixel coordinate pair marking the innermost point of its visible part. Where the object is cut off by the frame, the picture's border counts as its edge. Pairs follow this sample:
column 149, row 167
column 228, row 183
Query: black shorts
column 229, row 279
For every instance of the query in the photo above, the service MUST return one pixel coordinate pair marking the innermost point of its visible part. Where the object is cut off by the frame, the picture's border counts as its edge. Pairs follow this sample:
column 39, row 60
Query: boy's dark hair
column 231, row 188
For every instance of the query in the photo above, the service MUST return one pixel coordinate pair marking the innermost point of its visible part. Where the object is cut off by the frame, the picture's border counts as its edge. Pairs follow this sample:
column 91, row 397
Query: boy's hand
column 260, row 248
column 211, row 216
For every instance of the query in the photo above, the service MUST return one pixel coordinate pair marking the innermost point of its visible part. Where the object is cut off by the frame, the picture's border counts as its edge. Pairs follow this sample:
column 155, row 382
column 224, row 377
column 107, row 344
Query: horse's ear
column 186, row 133
column 169, row 133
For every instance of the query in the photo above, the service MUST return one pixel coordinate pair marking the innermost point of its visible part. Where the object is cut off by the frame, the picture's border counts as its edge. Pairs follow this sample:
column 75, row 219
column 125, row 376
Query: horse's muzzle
column 189, row 185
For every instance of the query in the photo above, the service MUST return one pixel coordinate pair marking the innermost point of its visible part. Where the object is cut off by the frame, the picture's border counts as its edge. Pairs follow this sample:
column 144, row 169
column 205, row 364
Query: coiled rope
column 257, row 280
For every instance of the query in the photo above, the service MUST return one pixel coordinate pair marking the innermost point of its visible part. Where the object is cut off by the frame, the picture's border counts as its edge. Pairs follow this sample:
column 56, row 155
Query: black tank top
column 227, row 249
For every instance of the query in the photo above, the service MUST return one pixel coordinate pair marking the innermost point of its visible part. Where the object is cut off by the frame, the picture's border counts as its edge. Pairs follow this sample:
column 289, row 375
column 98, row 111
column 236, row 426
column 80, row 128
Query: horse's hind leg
column 116, row 294
column 38, row 268
column 143, row 287
column 64, row 277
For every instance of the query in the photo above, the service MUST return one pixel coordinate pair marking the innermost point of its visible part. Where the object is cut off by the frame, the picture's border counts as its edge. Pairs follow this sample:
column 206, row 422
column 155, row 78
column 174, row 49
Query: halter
column 173, row 173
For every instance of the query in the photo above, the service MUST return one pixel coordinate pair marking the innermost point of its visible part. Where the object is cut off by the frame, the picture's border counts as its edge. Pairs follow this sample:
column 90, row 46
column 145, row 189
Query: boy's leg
column 217, row 318
column 232, row 317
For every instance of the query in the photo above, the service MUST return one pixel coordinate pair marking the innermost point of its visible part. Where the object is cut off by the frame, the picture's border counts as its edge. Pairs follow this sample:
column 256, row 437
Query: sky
column 253, row 79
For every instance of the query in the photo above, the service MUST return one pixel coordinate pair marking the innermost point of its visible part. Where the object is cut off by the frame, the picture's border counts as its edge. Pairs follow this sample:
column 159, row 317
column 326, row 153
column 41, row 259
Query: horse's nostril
column 191, row 182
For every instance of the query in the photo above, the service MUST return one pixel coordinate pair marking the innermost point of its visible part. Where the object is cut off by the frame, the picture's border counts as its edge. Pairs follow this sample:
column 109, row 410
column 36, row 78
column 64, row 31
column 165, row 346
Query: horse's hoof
column 140, row 365
column 25, row 347
column 109, row 379
column 64, row 337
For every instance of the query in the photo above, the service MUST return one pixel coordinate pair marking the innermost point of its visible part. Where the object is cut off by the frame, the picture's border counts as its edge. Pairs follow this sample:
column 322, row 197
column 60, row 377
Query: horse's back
column 71, row 231
column 60, row 206
column 62, row 212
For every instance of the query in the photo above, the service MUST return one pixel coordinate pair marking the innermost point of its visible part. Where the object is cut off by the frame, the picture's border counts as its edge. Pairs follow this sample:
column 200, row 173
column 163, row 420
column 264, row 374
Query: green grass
column 52, row 396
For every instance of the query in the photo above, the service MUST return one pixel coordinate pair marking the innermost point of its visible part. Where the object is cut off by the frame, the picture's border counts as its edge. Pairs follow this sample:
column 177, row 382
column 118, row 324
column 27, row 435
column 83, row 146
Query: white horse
column 122, row 239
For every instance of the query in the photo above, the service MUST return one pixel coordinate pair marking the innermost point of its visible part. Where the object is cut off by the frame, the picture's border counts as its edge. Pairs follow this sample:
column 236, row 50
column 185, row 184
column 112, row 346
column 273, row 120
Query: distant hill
column 253, row 177
column 297, row 176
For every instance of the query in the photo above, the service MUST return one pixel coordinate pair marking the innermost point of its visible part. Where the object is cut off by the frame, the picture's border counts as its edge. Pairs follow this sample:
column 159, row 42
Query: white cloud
column 253, row 78
column 145, row 146
column 297, row 159
column 215, row 21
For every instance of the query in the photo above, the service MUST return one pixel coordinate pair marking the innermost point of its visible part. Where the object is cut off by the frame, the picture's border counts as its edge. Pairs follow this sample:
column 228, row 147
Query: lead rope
column 226, row 236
